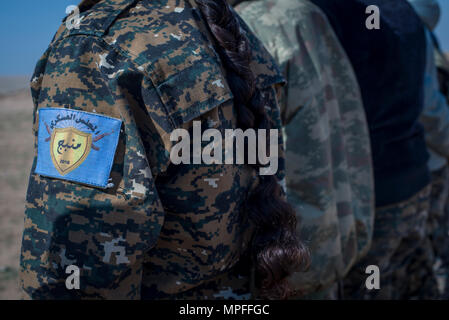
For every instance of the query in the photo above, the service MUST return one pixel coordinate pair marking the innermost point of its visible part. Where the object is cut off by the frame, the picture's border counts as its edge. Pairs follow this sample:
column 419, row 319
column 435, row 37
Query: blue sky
column 27, row 26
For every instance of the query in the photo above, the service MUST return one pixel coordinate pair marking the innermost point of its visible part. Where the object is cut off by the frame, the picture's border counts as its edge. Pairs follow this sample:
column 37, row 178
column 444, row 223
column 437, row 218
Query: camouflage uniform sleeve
column 104, row 232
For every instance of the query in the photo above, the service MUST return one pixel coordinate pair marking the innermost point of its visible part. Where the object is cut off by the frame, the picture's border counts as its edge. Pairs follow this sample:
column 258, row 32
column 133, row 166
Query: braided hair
column 276, row 250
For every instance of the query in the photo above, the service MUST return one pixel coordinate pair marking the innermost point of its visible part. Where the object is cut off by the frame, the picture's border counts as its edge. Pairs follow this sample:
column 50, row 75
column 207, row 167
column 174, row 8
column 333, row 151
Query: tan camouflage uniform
column 161, row 231
column 329, row 171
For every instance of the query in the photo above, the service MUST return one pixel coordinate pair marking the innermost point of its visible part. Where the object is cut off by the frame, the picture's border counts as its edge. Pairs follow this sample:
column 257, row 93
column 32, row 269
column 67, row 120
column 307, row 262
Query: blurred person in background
column 431, row 259
column 328, row 158
column 389, row 63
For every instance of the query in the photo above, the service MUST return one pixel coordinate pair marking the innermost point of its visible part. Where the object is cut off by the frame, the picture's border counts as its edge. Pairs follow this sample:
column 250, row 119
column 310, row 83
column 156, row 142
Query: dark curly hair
column 276, row 251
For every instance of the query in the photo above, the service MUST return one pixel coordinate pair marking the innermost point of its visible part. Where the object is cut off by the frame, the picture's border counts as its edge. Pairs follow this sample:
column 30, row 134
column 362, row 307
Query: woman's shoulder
column 166, row 42
column 162, row 37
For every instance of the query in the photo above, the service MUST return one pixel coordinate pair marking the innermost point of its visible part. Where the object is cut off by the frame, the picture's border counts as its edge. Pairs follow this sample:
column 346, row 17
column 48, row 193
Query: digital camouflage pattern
column 160, row 230
column 400, row 230
column 429, row 266
column 328, row 162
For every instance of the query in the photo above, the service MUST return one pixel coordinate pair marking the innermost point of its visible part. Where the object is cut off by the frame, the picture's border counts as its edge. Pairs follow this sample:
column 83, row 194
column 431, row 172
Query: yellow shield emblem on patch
column 69, row 148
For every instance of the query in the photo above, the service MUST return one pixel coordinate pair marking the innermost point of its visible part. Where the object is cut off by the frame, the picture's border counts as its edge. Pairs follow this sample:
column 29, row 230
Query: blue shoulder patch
column 76, row 146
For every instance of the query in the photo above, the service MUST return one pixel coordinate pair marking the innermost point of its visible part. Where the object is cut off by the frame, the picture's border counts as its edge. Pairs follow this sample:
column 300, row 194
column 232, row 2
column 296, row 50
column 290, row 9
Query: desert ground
column 16, row 151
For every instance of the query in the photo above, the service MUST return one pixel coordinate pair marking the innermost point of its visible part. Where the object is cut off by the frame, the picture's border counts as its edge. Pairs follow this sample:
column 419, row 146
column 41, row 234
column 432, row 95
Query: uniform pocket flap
column 194, row 91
